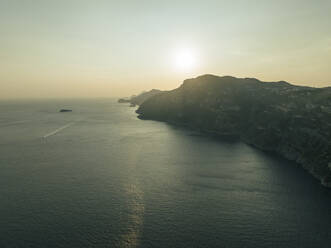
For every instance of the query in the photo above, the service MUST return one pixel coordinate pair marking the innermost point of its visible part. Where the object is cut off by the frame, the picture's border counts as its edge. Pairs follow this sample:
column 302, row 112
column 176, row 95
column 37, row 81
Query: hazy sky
column 79, row 48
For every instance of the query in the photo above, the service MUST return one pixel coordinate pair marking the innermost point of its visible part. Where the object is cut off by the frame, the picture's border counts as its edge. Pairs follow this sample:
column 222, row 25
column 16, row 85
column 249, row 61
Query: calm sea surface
column 100, row 177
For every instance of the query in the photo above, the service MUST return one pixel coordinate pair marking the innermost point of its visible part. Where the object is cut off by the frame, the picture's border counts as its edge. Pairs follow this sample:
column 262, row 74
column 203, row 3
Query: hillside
column 139, row 99
column 292, row 121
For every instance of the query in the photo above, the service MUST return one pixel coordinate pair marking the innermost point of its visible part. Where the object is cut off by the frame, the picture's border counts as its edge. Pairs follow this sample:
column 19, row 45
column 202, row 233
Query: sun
column 185, row 59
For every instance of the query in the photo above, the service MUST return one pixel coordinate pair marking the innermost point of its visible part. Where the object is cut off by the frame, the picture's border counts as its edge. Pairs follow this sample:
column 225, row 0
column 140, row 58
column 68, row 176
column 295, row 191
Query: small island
column 65, row 110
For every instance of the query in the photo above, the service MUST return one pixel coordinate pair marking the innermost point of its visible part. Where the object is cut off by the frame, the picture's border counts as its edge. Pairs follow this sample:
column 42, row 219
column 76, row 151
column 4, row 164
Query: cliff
column 292, row 121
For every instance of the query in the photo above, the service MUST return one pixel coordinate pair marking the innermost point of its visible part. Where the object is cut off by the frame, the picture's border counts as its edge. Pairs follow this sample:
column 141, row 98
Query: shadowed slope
column 293, row 121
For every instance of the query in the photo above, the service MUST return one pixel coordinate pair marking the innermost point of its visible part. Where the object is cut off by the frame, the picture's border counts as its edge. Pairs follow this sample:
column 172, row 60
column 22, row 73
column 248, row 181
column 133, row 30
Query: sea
column 100, row 177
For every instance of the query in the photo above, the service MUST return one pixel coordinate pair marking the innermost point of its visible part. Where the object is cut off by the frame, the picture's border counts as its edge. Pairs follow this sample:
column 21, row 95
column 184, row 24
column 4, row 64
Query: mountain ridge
column 292, row 121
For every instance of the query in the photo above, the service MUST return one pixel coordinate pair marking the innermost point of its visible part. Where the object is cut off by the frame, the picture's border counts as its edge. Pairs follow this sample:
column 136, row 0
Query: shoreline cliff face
column 292, row 121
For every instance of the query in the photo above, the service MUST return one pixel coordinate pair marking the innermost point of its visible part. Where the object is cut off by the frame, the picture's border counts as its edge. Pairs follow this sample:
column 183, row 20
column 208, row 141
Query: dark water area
column 100, row 177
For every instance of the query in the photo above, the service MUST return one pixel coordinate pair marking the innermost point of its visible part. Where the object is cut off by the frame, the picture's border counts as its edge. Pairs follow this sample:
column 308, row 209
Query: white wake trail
column 58, row 130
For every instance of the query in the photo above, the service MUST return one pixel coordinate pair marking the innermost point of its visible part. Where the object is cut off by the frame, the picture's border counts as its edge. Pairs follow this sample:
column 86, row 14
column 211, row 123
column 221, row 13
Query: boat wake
column 58, row 130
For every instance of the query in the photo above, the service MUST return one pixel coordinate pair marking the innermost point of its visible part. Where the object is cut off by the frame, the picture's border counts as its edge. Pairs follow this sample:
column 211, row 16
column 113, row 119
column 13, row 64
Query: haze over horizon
column 111, row 48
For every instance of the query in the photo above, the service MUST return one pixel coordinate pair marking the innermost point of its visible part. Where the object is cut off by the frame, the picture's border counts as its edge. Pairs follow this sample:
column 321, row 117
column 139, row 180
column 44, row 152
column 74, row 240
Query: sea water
column 100, row 177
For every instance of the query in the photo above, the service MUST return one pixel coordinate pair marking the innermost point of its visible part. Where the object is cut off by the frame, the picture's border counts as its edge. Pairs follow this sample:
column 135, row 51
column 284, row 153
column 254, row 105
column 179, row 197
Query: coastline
column 290, row 121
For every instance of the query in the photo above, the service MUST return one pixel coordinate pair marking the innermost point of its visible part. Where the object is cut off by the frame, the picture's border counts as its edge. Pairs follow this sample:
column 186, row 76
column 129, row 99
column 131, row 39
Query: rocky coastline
column 291, row 121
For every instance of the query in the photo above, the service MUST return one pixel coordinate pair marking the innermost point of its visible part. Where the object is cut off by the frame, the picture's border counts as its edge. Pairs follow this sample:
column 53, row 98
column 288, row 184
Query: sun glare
column 185, row 60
